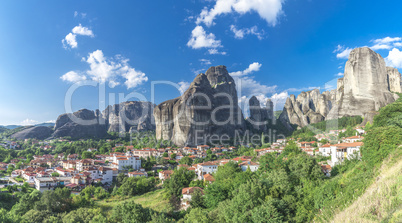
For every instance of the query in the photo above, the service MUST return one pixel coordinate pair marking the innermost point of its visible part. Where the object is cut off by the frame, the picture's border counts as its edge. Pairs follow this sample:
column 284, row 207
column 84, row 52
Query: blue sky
column 273, row 47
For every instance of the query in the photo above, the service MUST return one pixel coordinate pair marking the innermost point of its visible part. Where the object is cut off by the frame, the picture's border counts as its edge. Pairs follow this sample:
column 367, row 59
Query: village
column 47, row 172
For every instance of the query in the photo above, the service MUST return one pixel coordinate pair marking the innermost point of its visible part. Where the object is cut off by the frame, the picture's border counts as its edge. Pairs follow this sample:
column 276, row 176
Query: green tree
column 130, row 212
column 197, row 199
column 186, row 160
column 198, row 215
column 83, row 215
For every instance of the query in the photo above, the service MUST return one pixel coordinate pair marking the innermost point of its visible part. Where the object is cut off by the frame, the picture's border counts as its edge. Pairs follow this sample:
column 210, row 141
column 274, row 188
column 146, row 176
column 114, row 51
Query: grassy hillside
column 154, row 200
column 382, row 201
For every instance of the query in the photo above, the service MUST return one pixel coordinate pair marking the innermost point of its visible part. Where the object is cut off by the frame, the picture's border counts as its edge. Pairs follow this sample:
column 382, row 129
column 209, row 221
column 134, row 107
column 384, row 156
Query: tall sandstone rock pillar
column 364, row 88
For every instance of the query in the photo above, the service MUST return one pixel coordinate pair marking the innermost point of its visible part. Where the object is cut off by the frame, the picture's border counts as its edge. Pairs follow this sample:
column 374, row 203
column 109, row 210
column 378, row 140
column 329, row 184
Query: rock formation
column 260, row 116
column 208, row 107
column 124, row 117
column 365, row 85
column 394, row 80
column 34, row 132
column 130, row 115
column 80, row 124
column 309, row 107
column 363, row 90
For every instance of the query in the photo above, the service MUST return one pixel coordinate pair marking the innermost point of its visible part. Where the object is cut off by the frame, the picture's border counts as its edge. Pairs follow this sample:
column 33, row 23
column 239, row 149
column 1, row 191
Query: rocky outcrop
column 209, row 107
column 365, row 87
column 34, row 132
column 363, row 90
column 309, row 107
column 129, row 116
column 80, row 124
column 394, row 80
column 260, row 116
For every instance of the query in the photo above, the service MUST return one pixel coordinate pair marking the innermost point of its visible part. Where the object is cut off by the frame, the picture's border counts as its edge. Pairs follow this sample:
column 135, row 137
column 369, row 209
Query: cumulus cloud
column 254, row 67
column 73, row 77
column 394, row 58
column 279, row 100
column 215, row 51
column 103, row 69
column 342, row 52
column 241, row 33
column 200, row 39
column 205, row 61
column 29, row 122
column 71, row 39
column 268, row 10
column 387, row 40
column 340, row 74
column 247, row 85
column 183, row 86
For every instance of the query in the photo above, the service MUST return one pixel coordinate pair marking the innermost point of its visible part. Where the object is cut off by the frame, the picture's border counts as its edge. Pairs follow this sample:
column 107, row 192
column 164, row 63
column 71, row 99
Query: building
column 188, row 194
column 48, row 183
column 249, row 164
column 125, row 162
column 137, row 174
column 325, row 150
column 204, row 168
column 342, row 151
column 165, row 174
column 353, row 139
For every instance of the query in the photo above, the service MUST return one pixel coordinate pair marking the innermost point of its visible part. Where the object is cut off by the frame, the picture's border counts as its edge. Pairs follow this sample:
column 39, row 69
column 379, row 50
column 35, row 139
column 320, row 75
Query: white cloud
column 302, row 89
column 269, row 10
column 342, row 52
column 254, row 67
column 51, row 121
column 113, row 84
column 200, row 39
column 394, row 58
column 29, row 122
column 381, row 47
column 247, row 85
column 71, row 39
column 240, row 33
column 340, row 74
column 205, row 61
column 103, row 69
column 387, row 40
column 279, row 100
column 73, row 77
column 183, row 86
column 215, row 51
column 75, row 14
column 83, row 31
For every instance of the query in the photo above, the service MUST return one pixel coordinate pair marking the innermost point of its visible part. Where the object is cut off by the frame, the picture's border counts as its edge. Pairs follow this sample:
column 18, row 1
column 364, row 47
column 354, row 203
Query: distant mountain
column 9, row 126
column 47, row 124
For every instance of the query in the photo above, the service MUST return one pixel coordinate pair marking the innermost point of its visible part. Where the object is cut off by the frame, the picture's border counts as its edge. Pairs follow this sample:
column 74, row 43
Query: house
column 106, row 174
column 121, row 162
column 202, row 147
column 204, row 168
column 325, row 150
column 82, row 164
column 208, row 178
column 353, row 139
column 187, row 193
column 48, row 183
column 342, row 151
column 326, row 169
column 248, row 164
column 165, row 174
column 137, row 174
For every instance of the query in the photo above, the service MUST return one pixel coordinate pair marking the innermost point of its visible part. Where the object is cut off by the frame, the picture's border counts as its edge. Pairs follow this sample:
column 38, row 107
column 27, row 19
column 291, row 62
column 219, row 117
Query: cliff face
column 394, row 80
column 260, row 116
column 80, row 124
column 130, row 115
column 208, row 107
column 365, row 86
column 363, row 90
column 123, row 117
column 309, row 107
column 35, row 132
